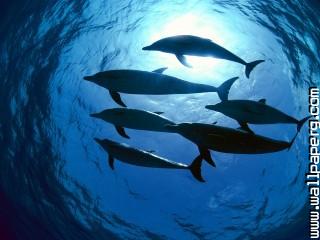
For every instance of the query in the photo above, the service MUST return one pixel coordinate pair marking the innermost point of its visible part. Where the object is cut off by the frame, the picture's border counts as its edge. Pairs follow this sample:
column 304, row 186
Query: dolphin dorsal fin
column 262, row 100
column 151, row 151
column 183, row 60
column 159, row 113
column 160, row 70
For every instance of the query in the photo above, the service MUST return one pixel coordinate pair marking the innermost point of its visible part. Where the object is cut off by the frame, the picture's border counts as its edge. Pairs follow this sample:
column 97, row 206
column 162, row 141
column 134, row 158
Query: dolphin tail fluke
column 299, row 126
column 301, row 122
column 122, row 132
column 250, row 66
column 195, row 168
column 205, row 154
column 292, row 141
column 117, row 98
column 111, row 162
column 224, row 88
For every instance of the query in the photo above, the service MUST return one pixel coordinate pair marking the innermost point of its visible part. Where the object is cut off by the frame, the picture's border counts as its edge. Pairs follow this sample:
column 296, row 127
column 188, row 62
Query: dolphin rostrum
column 152, row 83
column 255, row 112
column 229, row 140
column 182, row 45
column 130, row 155
column 142, row 120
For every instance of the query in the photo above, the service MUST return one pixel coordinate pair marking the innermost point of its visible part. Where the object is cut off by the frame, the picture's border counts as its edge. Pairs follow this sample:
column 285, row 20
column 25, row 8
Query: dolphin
column 152, row 83
column 130, row 155
column 229, row 140
column 142, row 120
column 255, row 112
column 182, row 45
column 135, row 119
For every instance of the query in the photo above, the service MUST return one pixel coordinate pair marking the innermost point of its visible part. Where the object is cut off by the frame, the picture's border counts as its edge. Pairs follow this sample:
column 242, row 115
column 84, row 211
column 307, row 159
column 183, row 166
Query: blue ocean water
column 55, row 181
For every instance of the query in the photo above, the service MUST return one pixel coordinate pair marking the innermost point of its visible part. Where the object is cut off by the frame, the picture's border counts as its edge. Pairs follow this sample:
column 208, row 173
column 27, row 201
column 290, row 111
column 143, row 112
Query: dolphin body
column 135, row 119
column 152, row 83
column 229, row 140
column 142, row 120
column 130, row 155
column 195, row 46
column 255, row 112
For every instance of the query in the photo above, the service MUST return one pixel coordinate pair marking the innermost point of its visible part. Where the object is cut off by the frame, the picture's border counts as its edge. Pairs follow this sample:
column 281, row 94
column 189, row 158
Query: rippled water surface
column 55, row 183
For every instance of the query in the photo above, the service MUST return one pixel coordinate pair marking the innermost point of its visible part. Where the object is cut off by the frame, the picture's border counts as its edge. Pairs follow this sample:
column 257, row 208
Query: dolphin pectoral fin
column 111, row 162
column 160, row 70
column 159, row 113
column 182, row 59
column 244, row 126
column 117, row 98
column 224, row 88
column 205, row 154
column 195, row 168
column 245, row 129
column 122, row 132
column 263, row 100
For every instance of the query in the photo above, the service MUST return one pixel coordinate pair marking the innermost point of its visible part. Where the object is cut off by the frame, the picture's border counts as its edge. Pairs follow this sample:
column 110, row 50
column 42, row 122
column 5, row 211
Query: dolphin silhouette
column 195, row 46
column 229, row 140
column 130, row 155
column 142, row 120
column 153, row 83
column 135, row 119
column 255, row 112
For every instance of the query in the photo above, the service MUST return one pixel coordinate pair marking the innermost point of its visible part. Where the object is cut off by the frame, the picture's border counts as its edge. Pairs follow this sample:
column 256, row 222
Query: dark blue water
column 54, row 180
